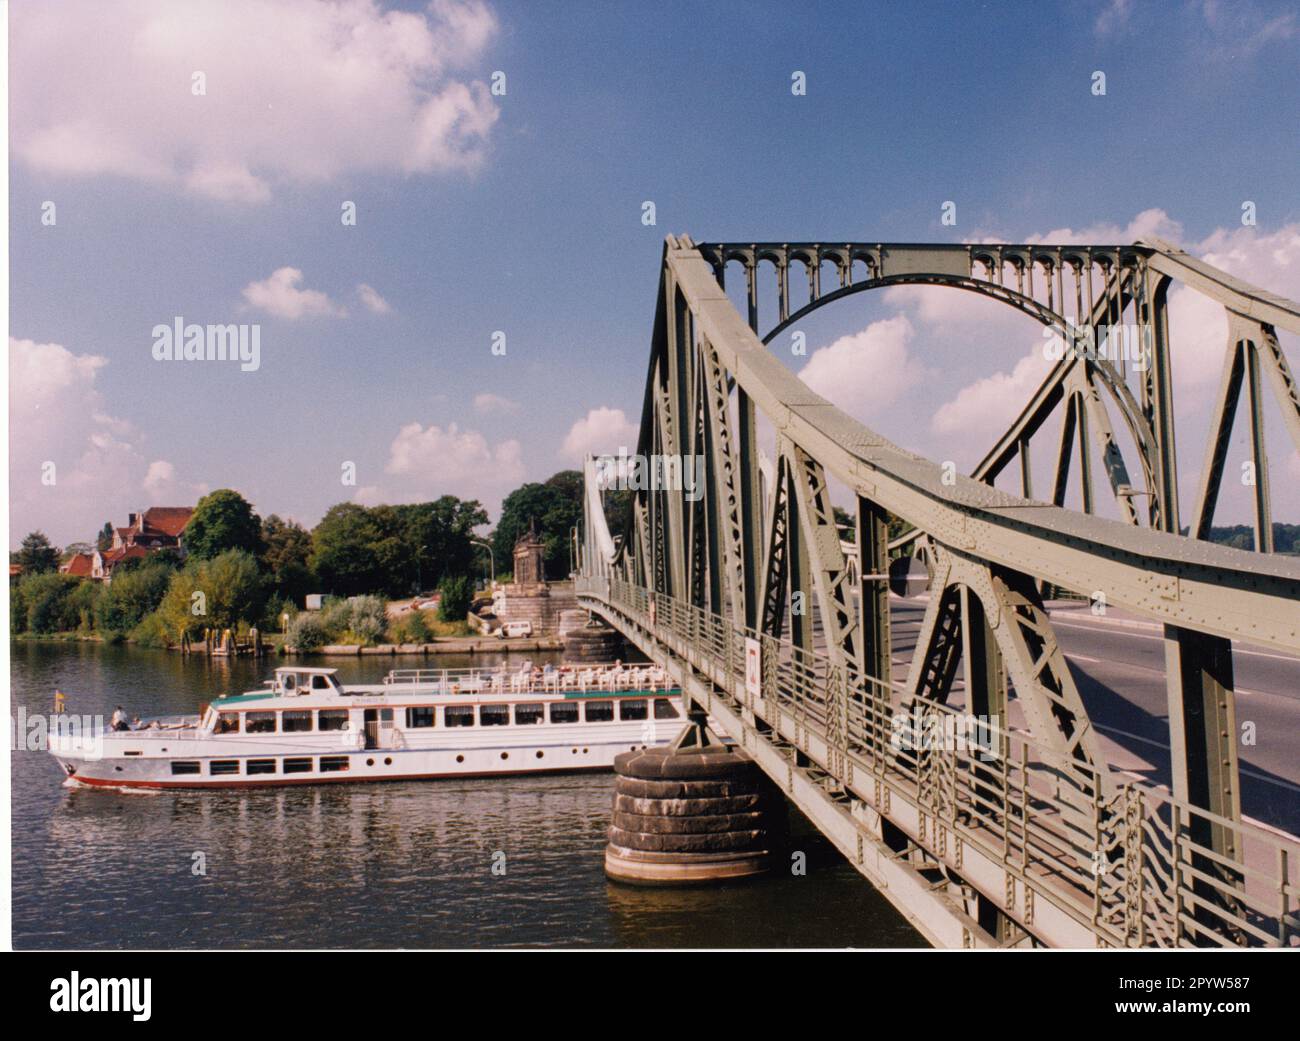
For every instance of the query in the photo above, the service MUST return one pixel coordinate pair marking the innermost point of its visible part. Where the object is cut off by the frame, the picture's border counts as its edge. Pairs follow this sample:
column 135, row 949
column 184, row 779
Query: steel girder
column 997, row 549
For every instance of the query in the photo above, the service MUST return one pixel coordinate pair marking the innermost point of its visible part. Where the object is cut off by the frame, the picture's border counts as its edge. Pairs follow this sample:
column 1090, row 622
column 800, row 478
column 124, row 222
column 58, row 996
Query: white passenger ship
column 304, row 727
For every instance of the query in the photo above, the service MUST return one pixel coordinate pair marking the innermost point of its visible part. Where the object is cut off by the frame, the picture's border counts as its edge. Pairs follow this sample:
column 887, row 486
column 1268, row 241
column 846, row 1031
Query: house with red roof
column 79, row 565
column 158, row 527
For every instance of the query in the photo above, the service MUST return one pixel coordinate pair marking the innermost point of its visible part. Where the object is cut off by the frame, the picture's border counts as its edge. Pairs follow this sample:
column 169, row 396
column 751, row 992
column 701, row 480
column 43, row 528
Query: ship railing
column 554, row 679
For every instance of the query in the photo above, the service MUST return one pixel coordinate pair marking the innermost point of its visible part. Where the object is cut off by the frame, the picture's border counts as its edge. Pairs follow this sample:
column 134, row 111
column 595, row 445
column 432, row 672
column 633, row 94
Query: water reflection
column 405, row 864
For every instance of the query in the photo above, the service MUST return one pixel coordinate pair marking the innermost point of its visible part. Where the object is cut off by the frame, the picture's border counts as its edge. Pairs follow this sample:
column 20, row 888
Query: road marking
column 1120, row 630
column 1249, row 820
column 1243, row 769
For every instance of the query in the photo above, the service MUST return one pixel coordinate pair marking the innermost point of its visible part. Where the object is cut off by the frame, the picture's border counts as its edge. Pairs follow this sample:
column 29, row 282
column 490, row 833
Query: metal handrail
column 1127, row 864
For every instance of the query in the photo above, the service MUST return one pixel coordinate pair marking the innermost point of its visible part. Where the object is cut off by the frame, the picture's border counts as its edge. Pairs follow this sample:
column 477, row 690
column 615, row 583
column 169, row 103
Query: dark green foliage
column 223, row 520
column 457, row 593
column 555, row 507
column 1286, row 537
column 394, row 549
column 132, row 595
column 37, row 556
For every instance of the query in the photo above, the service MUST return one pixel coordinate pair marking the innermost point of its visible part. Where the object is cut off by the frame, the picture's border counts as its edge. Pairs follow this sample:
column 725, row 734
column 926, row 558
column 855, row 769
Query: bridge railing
column 1137, row 866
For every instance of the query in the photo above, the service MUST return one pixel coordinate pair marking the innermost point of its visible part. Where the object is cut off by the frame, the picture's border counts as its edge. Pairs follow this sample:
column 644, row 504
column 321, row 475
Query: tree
column 132, row 596
column 453, row 604
column 343, row 552
column 394, row 549
column 285, row 555
column 223, row 520
column 37, row 555
column 218, row 593
column 47, row 599
column 555, row 506
column 104, row 540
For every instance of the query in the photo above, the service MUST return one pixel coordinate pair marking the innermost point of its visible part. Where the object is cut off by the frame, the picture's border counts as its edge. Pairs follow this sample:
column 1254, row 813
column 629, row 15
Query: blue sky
column 522, row 213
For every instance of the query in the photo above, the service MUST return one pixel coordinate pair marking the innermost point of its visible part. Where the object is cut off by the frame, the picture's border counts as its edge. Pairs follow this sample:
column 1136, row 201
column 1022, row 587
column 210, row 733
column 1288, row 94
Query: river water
column 404, row 864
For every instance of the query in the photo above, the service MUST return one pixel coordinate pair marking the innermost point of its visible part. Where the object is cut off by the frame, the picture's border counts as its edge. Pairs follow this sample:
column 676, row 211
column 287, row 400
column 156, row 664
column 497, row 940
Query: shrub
column 412, row 628
column 369, row 618
column 130, row 597
column 336, row 618
column 232, row 589
column 456, row 596
column 306, row 633
column 275, row 607
column 151, row 632
column 49, row 602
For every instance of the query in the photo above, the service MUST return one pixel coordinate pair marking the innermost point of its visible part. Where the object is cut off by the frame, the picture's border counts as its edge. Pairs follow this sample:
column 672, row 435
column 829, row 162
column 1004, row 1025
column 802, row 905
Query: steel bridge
column 998, row 821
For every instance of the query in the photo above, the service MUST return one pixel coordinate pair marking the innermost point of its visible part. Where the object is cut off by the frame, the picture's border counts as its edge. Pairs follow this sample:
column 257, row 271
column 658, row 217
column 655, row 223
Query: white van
column 513, row 629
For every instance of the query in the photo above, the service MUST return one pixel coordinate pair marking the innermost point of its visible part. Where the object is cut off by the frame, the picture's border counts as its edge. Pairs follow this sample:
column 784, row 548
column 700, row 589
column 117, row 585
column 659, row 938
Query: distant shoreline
column 450, row 645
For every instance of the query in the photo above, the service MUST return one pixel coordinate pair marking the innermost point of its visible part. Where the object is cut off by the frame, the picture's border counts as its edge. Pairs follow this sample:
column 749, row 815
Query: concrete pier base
column 593, row 643
column 690, row 815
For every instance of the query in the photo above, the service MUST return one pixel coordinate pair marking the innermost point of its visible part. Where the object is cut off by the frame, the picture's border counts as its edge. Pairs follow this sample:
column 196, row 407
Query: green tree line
column 240, row 569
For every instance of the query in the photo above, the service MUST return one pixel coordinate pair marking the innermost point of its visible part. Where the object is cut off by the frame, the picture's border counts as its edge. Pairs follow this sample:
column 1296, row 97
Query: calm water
column 392, row 865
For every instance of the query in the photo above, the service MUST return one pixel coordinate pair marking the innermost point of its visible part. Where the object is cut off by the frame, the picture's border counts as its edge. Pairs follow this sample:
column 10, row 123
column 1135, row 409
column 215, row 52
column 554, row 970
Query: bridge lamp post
column 492, row 559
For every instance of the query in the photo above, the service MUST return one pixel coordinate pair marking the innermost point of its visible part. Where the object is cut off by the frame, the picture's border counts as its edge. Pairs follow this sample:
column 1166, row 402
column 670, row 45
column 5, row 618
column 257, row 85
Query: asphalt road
column 1120, row 672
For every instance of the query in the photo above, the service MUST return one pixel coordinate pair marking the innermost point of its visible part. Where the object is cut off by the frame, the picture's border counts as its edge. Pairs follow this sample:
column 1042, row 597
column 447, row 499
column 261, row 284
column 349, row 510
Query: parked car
column 513, row 629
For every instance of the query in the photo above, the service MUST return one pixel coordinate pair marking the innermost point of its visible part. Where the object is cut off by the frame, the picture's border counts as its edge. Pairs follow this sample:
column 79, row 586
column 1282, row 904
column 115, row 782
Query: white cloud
column 160, row 473
column 1147, row 223
column 430, row 461
column 494, row 404
column 1242, row 29
column 1198, row 327
column 296, row 91
column 980, row 412
column 1113, row 17
column 373, row 301
column 58, row 416
column 163, row 488
column 866, row 371
column 279, row 295
column 602, row 431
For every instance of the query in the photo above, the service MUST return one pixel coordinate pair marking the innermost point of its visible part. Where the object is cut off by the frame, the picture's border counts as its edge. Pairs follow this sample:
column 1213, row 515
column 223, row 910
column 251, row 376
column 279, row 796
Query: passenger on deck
column 119, row 719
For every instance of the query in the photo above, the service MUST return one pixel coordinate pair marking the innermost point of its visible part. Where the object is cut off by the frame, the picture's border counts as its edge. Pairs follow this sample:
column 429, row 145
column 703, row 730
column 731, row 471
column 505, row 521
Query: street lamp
column 492, row 560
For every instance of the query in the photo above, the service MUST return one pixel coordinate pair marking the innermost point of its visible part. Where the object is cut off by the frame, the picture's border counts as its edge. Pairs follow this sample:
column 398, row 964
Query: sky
column 197, row 160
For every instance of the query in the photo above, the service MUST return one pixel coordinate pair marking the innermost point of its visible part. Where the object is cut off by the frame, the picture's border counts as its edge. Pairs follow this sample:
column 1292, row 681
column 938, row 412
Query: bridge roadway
column 1118, row 663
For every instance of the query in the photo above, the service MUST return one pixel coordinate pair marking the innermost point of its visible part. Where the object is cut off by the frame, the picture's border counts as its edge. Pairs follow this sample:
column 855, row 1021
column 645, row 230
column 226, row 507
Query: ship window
column 296, row 722
column 259, row 723
column 332, row 719
column 564, row 712
column 332, row 764
column 185, row 766
column 458, row 715
column 223, row 766
column 599, row 711
column 494, row 715
column 633, row 709
column 297, row 766
column 227, row 723
column 421, row 717
column 261, row 766
column 527, row 715
column 664, row 709
column 320, row 683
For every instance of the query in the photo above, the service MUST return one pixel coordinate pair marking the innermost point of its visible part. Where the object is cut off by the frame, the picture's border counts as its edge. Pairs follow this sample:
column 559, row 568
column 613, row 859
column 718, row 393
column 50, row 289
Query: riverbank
column 473, row 645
